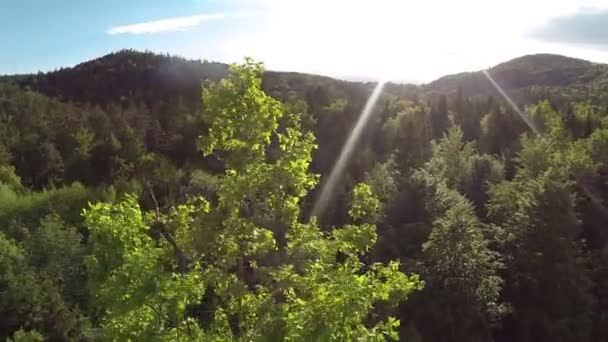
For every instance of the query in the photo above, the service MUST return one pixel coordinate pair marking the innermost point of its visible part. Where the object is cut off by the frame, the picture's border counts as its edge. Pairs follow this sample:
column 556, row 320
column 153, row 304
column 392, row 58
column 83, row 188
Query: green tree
column 541, row 237
column 440, row 117
column 33, row 301
column 409, row 132
column 460, row 301
column 461, row 167
column 26, row 336
column 383, row 180
column 243, row 266
column 9, row 178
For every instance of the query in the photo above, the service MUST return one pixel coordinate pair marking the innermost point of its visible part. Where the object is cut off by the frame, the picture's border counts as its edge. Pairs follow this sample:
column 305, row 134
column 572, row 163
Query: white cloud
column 165, row 25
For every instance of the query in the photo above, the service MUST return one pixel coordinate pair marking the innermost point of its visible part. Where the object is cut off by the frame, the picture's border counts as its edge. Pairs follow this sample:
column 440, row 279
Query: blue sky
column 413, row 40
column 45, row 34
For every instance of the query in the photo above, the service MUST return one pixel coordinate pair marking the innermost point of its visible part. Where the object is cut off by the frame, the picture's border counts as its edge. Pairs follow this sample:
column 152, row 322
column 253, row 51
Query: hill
column 527, row 76
column 148, row 77
column 157, row 100
column 160, row 95
column 525, row 71
column 127, row 74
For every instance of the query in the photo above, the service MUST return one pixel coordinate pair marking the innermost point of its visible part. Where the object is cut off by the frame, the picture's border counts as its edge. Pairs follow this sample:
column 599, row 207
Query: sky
column 399, row 40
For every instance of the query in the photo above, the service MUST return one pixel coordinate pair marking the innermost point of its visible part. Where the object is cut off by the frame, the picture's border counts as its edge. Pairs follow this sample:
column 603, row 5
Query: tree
column 466, row 117
column 536, row 212
column 26, row 336
column 9, row 178
column 440, row 119
column 461, row 167
column 463, row 283
column 33, row 301
column 383, row 180
column 462, row 275
column 409, row 132
column 243, row 265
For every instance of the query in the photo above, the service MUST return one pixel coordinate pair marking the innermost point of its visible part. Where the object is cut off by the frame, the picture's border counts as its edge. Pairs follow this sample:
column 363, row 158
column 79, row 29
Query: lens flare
column 511, row 103
column 346, row 153
column 595, row 199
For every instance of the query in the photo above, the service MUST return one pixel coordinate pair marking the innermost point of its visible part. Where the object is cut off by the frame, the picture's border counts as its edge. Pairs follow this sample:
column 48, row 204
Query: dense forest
column 148, row 197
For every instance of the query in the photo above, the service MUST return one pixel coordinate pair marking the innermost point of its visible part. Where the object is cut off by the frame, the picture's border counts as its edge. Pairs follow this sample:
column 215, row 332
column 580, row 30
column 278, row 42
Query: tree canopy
column 149, row 197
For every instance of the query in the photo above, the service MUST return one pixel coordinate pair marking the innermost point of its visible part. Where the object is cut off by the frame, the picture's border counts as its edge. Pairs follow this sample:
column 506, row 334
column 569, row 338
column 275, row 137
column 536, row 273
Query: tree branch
column 182, row 259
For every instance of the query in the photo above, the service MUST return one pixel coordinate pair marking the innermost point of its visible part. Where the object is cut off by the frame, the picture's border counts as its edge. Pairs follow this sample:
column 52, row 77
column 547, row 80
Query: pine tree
column 461, row 272
column 547, row 279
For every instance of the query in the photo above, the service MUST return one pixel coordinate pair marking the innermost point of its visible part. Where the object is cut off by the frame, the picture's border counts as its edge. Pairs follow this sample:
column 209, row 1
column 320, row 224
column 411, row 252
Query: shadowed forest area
column 149, row 197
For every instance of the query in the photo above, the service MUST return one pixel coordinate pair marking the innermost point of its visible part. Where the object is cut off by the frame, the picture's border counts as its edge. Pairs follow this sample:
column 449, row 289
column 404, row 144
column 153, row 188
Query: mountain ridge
column 140, row 75
column 537, row 58
column 521, row 72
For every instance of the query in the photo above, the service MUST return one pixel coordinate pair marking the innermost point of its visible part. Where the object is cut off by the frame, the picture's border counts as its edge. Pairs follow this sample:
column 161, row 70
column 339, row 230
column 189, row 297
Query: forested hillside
column 150, row 197
column 535, row 78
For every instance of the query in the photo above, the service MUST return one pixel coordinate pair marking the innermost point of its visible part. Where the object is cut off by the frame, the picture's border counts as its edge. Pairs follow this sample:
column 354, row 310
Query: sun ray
column 347, row 151
column 511, row 103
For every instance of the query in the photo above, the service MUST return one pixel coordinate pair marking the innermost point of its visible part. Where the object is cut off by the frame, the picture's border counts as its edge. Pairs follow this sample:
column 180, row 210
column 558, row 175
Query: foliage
column 262, row 272
column 541, row 239
column 137, row 298
column 26, row 336
column 505, row 226
column 364, row 202
column 462, row 276
column 32, row 300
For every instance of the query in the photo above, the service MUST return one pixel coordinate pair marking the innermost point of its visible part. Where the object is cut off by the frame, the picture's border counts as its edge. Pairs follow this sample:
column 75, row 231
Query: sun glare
column 328, row 185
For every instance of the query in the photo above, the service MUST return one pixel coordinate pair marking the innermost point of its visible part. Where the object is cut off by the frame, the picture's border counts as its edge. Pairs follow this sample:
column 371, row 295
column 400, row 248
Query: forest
column 147, row 197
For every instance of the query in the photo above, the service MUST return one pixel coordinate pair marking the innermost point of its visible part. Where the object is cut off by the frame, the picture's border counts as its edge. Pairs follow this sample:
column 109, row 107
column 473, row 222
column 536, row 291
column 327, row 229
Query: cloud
column 588, row 27
column 165, row 25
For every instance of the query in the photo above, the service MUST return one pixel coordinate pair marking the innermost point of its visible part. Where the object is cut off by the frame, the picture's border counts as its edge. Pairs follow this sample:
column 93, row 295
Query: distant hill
column 538, row 71
column 146, row 77
column 127, row 74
